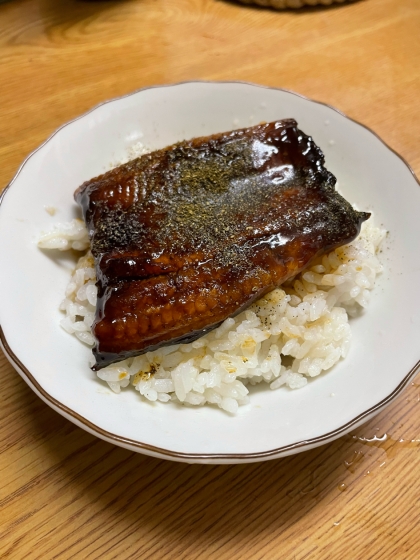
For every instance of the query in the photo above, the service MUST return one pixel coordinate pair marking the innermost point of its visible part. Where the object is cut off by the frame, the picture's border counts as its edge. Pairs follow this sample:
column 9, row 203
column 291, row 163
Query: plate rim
column 164, row 453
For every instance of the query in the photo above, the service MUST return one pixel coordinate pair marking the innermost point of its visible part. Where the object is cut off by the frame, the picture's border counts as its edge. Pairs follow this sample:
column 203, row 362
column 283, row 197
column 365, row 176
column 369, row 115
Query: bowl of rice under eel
column 302, row 365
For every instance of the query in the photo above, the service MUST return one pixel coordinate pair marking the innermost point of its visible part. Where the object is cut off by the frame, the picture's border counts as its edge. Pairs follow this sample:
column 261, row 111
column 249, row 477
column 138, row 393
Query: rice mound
column 291, row 334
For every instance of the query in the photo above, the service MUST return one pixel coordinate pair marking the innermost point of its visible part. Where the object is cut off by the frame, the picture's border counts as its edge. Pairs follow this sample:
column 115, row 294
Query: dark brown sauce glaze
column 187, row 236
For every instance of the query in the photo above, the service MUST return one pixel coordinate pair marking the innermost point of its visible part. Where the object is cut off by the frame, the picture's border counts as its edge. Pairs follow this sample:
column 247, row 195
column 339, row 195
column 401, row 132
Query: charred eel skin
column 187, row 236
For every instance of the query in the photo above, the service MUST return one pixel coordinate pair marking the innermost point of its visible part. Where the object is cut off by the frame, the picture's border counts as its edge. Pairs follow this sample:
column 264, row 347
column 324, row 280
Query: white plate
column 385, row 350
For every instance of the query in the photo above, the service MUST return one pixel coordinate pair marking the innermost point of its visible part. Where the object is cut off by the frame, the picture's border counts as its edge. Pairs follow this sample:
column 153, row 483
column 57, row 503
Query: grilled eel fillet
column 187, row 236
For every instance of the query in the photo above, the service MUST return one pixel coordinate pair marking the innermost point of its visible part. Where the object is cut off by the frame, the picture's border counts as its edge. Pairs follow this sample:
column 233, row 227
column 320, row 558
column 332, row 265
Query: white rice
column 290, row 335
column 65, row 236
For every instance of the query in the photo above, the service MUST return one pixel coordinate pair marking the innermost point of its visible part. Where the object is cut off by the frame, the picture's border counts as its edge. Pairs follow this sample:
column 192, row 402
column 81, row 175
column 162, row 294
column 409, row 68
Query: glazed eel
column 189, row 235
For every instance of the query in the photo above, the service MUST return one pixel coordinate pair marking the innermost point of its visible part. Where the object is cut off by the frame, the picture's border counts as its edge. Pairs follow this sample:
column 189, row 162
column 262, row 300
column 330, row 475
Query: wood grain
column 65, row 494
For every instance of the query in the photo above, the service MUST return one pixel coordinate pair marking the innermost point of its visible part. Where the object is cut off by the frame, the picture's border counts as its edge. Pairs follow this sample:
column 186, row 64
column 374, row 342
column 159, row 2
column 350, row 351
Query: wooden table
column 66, row 494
